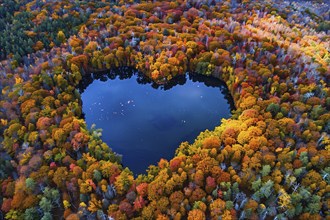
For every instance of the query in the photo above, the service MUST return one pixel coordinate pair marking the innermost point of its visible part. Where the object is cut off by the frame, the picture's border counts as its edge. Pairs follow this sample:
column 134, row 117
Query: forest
column 270, row 160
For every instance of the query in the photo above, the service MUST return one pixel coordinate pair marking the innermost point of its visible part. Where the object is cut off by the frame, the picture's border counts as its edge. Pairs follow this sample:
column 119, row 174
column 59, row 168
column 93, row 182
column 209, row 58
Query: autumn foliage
column 270, row 160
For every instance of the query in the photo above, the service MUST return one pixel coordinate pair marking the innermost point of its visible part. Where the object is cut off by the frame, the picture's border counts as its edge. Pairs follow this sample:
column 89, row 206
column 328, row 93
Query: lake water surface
column 145, row 122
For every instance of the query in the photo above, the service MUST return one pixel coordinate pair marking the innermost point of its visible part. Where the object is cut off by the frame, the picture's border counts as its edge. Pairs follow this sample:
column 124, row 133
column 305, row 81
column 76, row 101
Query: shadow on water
column 127, row 73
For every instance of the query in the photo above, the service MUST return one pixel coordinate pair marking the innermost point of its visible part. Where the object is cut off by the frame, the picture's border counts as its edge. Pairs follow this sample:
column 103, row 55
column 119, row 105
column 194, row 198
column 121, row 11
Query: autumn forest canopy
column 269, row 160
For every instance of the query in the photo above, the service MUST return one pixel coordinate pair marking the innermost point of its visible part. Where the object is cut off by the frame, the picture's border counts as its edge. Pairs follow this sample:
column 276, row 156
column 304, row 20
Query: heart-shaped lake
column 145, row 122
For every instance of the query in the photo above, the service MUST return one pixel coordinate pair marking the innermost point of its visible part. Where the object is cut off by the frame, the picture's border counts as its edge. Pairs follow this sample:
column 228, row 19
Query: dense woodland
column 270, row 160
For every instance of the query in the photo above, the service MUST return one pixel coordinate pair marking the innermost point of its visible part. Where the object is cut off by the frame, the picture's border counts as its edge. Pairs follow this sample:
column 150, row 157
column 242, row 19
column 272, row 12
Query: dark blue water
column 145, row 122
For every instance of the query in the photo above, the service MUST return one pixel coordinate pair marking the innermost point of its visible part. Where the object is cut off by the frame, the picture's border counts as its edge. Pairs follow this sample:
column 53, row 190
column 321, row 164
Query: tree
column 211, row 142
column 31, row 214
column 60, row 176
column 176, row 198
column 18, row 200
column 284, row 199
column 142, row 189
column 217, row 208
column 38, row 46
column 273, row 108
column 6, row 205
column 45, row 204
column 196, row 214
column 94, row 204
column 199, row 178
column 197, row 195
column 124, row 181
column 30, row 184
column 248, row 102
column 61, row 37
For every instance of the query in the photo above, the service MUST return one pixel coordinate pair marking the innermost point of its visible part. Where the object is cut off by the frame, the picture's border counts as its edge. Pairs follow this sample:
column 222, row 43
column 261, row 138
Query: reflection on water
column 144, row 121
